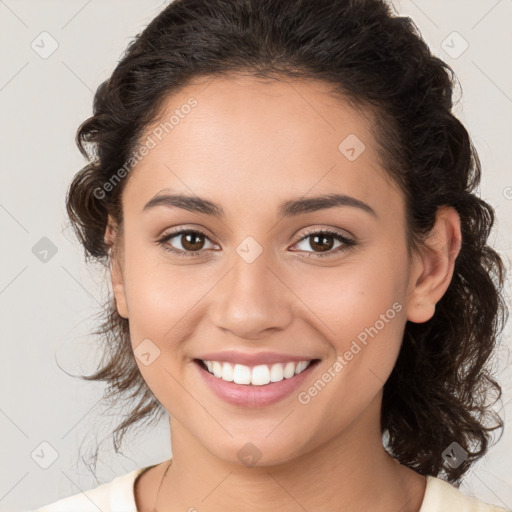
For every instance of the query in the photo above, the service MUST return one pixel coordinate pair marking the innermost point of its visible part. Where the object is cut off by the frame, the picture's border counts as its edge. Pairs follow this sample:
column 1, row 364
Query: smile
column 254, row 386
column 259, row 375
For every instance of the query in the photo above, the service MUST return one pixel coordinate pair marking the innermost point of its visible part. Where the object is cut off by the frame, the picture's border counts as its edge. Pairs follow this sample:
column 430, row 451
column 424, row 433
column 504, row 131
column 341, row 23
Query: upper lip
column 234, row 357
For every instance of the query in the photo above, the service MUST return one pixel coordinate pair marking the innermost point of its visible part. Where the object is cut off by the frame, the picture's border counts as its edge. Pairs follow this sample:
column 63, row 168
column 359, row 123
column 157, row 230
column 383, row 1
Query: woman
column 298, row 262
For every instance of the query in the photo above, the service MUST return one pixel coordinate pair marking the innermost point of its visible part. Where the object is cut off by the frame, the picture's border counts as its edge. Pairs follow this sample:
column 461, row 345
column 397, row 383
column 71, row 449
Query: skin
column 249, row 145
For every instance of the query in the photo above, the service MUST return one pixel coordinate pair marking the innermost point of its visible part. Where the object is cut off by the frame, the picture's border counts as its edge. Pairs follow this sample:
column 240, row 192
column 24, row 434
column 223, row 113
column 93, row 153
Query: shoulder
column 441, row 496
column 114, row 496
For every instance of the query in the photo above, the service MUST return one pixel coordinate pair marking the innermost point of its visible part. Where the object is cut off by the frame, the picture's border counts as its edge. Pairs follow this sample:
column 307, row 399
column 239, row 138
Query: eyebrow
column 290, row 208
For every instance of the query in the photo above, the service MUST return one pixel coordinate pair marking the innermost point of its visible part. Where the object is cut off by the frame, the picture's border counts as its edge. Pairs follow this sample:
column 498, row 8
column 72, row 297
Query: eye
column 322, row 240
column 191, row 241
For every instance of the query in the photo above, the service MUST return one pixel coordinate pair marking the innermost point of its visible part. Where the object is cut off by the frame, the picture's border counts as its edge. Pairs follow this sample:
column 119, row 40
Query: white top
column 118, row 496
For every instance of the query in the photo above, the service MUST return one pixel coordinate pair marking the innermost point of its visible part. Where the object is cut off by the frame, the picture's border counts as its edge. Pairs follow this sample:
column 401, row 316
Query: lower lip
column 254, row 396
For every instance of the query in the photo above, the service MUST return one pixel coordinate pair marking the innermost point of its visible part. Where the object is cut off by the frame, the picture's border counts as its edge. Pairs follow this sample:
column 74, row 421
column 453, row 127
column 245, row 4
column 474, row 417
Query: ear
column 116, row 271
column 432, row 269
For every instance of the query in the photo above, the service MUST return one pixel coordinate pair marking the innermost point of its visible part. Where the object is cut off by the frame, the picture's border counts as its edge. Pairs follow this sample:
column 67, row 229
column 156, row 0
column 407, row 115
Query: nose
column 252, row 300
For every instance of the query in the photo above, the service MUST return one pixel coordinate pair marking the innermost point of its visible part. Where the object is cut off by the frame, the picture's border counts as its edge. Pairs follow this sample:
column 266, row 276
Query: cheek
column 359, row 309
column 352, row 296
column 360, row 312
column 155, row 305
column 160, row 296
column 161, row 303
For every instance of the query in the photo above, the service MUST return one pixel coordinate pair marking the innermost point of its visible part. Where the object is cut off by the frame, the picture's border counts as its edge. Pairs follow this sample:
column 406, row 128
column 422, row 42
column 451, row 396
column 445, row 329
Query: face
column 263, row 278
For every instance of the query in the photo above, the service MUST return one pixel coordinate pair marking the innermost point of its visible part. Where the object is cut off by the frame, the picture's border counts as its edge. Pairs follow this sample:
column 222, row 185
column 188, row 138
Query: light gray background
column 47, row 309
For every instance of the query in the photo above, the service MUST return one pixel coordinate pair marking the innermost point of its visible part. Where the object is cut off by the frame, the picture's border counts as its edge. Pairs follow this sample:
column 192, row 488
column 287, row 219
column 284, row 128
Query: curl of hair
column 440, row 388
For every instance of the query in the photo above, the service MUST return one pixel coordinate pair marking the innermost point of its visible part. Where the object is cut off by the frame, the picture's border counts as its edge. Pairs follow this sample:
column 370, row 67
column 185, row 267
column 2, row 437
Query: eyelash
column 347, row 242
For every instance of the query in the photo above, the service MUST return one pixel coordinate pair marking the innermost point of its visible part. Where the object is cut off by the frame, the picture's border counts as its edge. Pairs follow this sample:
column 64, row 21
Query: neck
column 350, row 471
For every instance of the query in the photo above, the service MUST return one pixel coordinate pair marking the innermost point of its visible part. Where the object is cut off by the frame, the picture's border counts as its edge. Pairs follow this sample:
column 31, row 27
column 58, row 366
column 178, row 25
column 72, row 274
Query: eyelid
column 326, row 229
column 186, row 228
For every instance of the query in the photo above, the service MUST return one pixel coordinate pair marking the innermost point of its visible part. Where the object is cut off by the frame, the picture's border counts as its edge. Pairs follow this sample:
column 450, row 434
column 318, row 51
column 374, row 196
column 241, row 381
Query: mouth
column 258, row 375
column 254, row 386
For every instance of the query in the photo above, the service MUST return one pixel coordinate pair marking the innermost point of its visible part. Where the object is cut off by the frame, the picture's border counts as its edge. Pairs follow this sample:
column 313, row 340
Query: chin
column 258, row 450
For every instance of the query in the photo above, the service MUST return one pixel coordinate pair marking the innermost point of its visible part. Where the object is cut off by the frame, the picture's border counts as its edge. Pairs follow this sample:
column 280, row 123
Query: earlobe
column 433, row 268
column 116, row 272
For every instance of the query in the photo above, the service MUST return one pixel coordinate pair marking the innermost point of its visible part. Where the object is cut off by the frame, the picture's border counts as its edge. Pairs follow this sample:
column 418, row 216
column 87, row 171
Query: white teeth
column 227, row 372
column 300, row 367
column 289, row 370
column 276, row 373
column 241, row 374
column 217, row 369
column 258, row 375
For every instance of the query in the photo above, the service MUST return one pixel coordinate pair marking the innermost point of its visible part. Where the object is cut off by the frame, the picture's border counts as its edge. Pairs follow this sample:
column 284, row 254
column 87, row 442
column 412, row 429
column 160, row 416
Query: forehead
column 244, row 141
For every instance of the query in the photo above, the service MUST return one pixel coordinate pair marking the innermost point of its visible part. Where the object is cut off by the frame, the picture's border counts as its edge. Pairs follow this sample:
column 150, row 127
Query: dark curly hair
column 441, row 387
